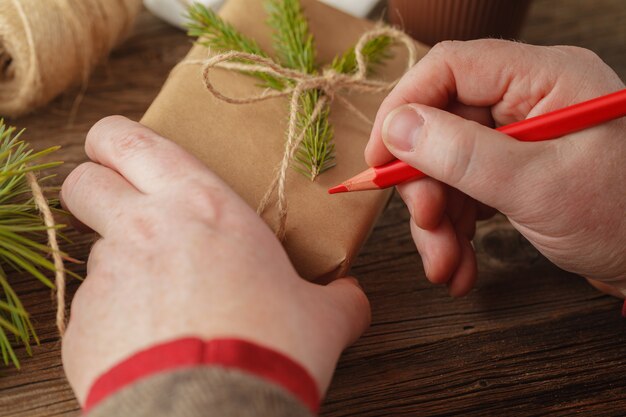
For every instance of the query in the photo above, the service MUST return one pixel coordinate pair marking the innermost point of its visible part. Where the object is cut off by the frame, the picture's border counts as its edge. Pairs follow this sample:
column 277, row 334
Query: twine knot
column 330, row 83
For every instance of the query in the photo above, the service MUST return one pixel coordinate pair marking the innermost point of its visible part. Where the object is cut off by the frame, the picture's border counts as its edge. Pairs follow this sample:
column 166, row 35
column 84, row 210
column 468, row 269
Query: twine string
column 330, row 83
column 59, row 270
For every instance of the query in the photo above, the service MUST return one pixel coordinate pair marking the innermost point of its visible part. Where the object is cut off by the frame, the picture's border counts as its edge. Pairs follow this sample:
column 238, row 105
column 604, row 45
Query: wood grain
column 530, row 340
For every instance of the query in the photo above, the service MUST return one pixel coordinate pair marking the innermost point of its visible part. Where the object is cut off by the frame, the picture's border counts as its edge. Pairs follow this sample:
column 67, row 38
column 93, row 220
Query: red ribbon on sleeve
column 191, row 352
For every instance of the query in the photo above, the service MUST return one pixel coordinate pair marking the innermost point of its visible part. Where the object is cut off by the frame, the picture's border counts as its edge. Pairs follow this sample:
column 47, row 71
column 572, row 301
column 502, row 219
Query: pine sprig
column 375, row 52
column 293, row 40
column 212, row 32
column 295, row 47
column 316, row 153
column 21, row 231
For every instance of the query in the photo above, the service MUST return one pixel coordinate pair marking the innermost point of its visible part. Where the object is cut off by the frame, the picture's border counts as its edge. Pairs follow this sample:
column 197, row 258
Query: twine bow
column 329, row 82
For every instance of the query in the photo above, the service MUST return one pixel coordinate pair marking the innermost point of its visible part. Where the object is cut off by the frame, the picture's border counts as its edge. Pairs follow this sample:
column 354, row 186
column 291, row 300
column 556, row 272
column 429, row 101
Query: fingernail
column 401, row 128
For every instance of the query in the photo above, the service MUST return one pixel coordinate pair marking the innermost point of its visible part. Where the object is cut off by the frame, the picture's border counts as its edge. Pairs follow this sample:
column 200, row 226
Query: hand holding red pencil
column 568, row 197
column 548, row 126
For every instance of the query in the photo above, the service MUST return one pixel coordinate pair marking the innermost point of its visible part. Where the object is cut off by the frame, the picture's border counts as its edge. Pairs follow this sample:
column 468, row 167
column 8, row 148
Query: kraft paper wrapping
column 244, row 144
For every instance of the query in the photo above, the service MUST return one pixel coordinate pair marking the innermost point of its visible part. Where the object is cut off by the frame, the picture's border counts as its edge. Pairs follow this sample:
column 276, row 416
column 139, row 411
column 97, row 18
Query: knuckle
column 579, row 53
column 444, row 46
column 459, row 155
column 104, row 124
column 133, row 141
column 141, row 227
column 206, row 200
column 592, row 76
column 464, row 159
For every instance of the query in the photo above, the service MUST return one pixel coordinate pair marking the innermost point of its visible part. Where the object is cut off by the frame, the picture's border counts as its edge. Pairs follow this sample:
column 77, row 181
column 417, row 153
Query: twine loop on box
column 329, row 82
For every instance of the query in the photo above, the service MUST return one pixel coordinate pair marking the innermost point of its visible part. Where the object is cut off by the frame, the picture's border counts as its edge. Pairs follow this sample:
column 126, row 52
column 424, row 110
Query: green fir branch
column 316, row 153
column 214, row 33
column 21, row 231
column 295, row 47
column 293, row 40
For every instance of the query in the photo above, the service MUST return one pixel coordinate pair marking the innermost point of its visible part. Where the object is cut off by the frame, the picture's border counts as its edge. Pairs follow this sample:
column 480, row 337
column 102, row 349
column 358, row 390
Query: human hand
column 567, row 197
column 182, row 255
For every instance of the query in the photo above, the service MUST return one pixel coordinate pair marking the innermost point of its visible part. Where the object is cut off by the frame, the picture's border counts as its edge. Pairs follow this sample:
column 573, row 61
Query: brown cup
column 432, row 21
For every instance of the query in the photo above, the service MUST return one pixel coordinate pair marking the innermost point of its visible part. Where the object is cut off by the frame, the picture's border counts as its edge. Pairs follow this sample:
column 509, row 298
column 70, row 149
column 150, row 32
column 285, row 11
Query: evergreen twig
column 293, row 40
column 21, row 230
column 214, row 33
column 316, row 153
column 295, row 47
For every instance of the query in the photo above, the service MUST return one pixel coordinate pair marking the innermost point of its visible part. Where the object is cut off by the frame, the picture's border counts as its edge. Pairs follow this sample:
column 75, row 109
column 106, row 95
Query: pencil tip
column 338, row 189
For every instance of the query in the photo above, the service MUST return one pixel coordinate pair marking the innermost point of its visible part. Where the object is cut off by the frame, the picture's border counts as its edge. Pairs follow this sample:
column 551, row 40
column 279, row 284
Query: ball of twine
column 47, row 46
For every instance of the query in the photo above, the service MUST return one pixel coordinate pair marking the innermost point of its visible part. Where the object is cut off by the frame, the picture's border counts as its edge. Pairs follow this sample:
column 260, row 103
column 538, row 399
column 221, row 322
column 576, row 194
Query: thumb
column 481, row 162
column 353, row 308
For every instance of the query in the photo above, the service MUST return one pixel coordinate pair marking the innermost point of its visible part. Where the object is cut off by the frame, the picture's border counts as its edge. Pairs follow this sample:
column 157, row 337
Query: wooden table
column 530, row 340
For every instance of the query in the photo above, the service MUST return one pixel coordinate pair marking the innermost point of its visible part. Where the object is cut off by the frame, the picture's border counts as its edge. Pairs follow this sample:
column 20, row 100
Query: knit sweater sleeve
column 206, row 392
column 191, row 377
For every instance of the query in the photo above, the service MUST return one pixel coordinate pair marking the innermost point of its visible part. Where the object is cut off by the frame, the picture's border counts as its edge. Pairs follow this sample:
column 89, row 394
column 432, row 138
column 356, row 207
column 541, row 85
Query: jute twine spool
column 48, row 45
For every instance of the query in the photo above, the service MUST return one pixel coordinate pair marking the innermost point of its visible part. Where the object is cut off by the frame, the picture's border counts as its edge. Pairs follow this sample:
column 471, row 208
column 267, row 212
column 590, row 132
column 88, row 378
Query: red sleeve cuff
column 193, row 352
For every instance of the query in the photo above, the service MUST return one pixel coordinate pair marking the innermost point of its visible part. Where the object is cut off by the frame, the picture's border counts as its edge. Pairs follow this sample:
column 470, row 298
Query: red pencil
column 544, row 127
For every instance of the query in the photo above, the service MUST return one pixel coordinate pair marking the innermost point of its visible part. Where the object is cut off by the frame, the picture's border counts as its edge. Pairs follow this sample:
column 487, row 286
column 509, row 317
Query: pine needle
column 21, row 231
